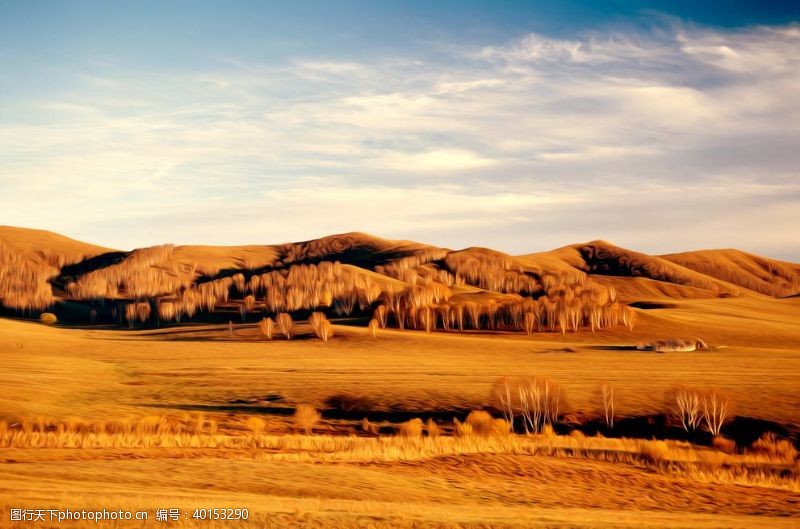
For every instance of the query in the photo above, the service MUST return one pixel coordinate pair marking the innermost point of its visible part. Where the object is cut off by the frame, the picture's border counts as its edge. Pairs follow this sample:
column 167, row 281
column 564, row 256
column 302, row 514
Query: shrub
column 348, row 403
column 483, row 424
column 775, row 448
column 411, row 429
column 653, row 451
column 256, row 425
column 462, row 429
column 723, row 444
column 48, row 318
column 432, row 428
column 306, row 417
column 369, row 427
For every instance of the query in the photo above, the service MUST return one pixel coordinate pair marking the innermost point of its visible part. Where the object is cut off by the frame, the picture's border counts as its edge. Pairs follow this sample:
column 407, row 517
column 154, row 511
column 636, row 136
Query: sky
column 520, row 126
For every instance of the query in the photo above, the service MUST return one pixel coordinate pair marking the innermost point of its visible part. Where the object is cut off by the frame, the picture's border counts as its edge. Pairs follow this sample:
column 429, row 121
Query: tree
column 687, row 408
column 306, row 417
column 321, row 326
column 717, row 408
column 267, row 327
column 286, row 325
column 609, row 403
column 373, row 327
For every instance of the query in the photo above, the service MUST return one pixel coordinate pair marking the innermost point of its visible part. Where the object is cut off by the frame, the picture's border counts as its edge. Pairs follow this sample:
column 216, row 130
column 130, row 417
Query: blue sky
column 521, row 126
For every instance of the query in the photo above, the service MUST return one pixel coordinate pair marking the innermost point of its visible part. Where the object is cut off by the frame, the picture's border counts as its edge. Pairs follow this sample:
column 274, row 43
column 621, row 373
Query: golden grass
column 411, row 481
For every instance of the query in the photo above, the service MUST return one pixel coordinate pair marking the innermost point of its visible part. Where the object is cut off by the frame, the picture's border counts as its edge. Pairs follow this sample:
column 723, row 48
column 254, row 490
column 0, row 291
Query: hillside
column 395, row 283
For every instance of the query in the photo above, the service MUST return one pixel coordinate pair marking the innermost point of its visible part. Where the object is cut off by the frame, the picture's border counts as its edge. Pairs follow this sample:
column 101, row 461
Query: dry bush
column 548, row 431
column 267, row 327
column 306, row 417
column 369, row 427
column 723, row 444
column 653, row 451
column 462, row 429
column 411, row 429
column 349, row 403
column 483, row 424
column 775, row 448
column 321, row 326
column 286, row 325
column 432, row 428
column 48, row 318
column 256, row 425
column 481, row 421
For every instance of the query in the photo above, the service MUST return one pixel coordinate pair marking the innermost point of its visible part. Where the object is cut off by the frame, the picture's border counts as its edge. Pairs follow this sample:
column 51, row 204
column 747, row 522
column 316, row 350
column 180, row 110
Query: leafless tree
column 609, row 403
column 286, row 325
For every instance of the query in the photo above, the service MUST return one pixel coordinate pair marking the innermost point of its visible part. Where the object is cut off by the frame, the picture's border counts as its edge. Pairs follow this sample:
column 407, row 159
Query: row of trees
column 534, row 402
column 156, row 286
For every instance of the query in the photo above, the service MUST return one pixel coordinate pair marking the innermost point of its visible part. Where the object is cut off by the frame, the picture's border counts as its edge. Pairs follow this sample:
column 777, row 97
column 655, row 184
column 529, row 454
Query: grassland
column 214, row 382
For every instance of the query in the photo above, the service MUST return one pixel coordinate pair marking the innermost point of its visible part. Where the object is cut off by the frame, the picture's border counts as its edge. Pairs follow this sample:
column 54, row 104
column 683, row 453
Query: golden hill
column 355, row 275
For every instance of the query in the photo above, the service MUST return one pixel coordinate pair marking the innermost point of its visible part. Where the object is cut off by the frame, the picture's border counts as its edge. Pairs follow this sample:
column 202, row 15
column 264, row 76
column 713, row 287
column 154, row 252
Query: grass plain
column 339, row 477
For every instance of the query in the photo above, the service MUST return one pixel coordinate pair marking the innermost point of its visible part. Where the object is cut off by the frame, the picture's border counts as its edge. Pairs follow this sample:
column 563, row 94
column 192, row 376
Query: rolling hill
column 355, row 275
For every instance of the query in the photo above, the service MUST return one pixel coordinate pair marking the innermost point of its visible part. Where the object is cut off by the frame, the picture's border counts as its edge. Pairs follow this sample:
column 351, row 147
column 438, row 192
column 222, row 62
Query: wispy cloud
column 661, row 140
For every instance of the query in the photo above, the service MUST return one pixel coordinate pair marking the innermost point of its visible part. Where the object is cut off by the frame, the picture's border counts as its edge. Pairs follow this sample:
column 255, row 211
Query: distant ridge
column 581, row 285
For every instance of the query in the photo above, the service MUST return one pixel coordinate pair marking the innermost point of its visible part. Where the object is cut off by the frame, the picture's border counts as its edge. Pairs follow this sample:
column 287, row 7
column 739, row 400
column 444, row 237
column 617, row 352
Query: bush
column 481, row 422
column 369, row 427
column 462, row 429
column 256, row 425
column 653, row 451
column 306, row 417
column 773, row 447
column 723, row 444
column 48, row 318
column 411, row 429
column 432, row 428
column 349, row 403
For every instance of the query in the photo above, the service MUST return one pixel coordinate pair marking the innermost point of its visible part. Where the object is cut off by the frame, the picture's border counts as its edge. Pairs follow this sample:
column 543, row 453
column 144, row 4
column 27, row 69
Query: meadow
column 201, row 416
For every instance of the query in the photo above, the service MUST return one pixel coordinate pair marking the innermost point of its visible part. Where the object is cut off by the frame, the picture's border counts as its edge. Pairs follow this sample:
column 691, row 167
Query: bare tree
column 609, row 403
column 286, row 325
column 267, row 327
column 687, row 408
column 536, row 400
column 321, row 326
column 717, row 408
column 501, row 397
column 373, row 327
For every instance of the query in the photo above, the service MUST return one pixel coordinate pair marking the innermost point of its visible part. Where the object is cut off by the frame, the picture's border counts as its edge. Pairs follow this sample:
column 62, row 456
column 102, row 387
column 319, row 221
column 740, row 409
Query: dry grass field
column 209, row 412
